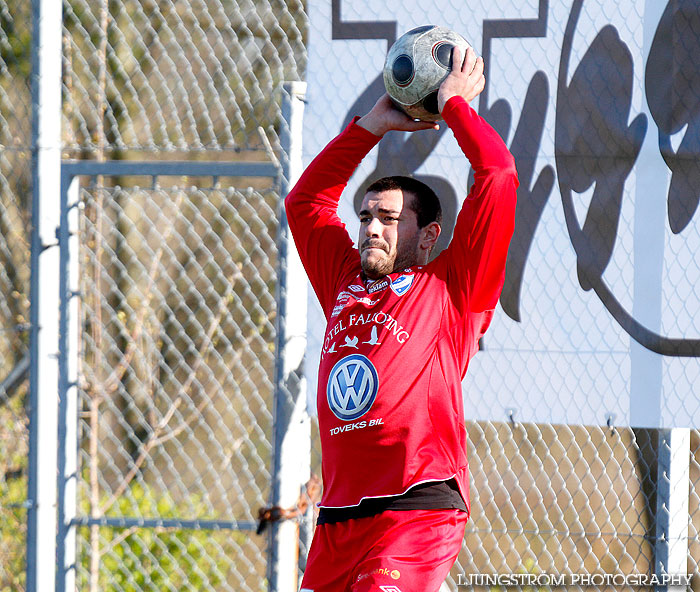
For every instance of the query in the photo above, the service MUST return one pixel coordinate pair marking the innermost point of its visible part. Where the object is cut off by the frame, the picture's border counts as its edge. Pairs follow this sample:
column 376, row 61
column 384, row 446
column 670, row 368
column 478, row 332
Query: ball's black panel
column 402, row 70
column 430, row 103
column 421, row 29
column 443, row 54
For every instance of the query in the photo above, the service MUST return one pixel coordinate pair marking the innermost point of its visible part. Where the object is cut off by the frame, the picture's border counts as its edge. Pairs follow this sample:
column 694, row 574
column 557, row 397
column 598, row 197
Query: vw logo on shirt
column 352, row 387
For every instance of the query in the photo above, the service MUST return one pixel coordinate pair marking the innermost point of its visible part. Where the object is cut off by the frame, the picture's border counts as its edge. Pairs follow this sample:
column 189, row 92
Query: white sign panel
column 599, row 102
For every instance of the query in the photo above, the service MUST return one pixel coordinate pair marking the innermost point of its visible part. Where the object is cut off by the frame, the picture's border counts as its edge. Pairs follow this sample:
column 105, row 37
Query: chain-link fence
column 552, row 499
column 178, row 314
column 177, row 77
column 15, row 216
column 176, row 367
column 177, row 284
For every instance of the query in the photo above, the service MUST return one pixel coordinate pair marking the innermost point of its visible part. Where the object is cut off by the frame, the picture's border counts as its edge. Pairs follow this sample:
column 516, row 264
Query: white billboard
column 599, row 102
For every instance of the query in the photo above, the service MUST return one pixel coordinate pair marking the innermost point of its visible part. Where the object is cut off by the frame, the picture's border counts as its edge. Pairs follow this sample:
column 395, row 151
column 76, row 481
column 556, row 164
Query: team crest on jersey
column 402, row 284
column 352, row 387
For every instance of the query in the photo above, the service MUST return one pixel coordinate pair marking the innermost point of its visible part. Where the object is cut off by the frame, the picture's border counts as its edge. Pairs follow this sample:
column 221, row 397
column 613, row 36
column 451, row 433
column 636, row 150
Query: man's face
column 389, row 233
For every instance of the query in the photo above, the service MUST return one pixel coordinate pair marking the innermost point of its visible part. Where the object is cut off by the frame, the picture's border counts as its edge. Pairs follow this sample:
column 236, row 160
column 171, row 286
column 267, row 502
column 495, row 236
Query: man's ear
column 429, row 235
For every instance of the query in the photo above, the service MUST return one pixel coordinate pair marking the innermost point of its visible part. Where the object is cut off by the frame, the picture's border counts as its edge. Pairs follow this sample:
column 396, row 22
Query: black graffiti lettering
column 607, row 166
column 532, row 197
column 525, row 145
column 672, row 83
column 595, row 146
column 362, row 29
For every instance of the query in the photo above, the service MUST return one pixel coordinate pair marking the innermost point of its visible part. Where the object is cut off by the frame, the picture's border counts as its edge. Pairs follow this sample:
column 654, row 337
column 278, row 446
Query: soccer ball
column 416, row 65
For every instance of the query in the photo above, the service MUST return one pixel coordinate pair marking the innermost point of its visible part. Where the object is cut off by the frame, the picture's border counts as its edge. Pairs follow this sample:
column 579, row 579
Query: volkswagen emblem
column 352, row 387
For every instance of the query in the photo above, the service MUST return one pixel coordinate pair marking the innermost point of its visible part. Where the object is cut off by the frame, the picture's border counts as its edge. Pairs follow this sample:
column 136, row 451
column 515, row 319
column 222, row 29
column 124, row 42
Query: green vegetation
column 155, row 559
column 13, row 493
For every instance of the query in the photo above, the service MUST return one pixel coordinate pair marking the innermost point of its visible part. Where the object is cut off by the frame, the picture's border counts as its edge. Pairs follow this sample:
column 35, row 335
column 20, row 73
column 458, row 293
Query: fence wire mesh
column 174, row 76
column 178, row 317
column 176, row 384
column 15, row 220
column 559, row 500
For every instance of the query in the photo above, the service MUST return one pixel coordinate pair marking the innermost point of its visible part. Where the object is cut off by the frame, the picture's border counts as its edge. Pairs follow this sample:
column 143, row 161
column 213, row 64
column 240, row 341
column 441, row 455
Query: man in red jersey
column 400, row 333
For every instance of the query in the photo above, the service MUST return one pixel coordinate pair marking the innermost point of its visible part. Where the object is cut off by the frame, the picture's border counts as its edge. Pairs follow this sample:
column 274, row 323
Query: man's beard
column 376, row 267
column 403, row 257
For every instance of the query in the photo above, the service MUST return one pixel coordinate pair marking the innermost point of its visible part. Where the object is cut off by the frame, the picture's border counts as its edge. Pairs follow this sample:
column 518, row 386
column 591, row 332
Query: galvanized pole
column 673, row 461
column 43, row 380
column 68, row 384
column 292, row 434
column 673, row 492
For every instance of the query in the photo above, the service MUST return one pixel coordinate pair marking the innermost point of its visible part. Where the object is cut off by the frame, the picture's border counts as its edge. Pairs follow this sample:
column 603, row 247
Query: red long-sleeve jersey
column 390, row 408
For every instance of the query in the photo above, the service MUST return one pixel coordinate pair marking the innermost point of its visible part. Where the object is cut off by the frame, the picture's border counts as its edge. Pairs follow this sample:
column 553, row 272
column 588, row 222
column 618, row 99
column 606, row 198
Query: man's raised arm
column 475, row 260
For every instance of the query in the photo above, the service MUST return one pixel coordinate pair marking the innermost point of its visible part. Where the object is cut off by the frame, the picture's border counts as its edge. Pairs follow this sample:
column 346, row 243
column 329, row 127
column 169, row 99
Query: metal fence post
column 292, row 435
column 68, row 385
column 43, row 412
column 671, row 548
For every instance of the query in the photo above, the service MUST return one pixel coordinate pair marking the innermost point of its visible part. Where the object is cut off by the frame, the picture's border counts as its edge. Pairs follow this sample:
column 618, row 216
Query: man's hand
column 466, row 81
column 385, row 116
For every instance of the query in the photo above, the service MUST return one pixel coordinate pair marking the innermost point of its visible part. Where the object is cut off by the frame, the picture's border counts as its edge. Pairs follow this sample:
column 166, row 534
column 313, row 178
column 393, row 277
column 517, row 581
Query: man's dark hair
column 425, row 203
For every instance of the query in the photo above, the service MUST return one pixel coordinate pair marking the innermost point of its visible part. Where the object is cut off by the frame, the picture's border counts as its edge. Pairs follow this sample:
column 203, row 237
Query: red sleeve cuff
column 453, row 104
column 361, row 132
